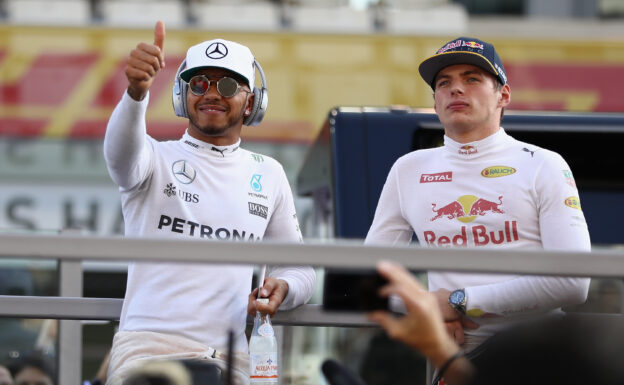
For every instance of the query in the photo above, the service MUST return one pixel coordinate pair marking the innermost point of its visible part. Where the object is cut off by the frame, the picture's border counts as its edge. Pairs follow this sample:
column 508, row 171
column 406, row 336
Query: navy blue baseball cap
column 463, row 50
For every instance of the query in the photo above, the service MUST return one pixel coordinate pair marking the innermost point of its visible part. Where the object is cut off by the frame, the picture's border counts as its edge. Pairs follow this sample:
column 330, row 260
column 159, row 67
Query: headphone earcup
column 261, row 101
column 178, row 94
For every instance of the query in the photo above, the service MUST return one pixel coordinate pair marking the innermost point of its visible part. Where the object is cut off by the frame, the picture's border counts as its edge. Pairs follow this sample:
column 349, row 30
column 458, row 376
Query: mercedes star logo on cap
column 183, row 172
column 216, row 51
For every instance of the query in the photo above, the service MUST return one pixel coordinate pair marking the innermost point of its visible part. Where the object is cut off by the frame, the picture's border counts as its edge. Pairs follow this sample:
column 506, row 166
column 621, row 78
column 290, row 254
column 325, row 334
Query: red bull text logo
column 481, row 236
column 497, row 171
column 467, row 150
column 439, row 177
column 451, row 45
column 466, row 209
column 460, row 43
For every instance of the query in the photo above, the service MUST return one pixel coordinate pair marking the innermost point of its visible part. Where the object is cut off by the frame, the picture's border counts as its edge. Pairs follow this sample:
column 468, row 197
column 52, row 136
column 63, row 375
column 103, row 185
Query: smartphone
column 355, row 290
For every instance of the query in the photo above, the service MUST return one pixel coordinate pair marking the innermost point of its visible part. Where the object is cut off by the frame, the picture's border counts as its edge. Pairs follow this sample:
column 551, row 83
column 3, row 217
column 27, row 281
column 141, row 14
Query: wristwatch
column 457, row 300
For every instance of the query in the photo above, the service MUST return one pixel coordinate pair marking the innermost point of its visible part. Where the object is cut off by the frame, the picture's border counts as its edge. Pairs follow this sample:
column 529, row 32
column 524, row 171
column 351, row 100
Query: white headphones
column 261, row 97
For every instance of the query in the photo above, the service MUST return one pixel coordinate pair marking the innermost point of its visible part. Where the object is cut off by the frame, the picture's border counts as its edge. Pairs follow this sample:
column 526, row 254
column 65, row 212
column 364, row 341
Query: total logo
column 466, row 209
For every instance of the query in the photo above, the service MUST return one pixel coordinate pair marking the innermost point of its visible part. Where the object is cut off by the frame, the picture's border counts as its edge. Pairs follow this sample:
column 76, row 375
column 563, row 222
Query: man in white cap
column 203, row 186
column 482, row 188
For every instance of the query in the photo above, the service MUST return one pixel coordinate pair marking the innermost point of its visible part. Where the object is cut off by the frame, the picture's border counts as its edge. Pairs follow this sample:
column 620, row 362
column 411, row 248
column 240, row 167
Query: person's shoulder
column 536, row 153
column 262, row 160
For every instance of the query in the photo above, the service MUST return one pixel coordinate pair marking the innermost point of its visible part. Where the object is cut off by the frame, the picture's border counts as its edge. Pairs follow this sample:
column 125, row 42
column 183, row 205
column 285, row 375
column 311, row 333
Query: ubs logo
column 183, row 172
column 216, row 51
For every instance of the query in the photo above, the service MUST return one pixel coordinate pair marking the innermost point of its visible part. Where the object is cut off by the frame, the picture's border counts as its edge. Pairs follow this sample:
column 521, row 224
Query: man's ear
column 250, row 103
column 505, row 96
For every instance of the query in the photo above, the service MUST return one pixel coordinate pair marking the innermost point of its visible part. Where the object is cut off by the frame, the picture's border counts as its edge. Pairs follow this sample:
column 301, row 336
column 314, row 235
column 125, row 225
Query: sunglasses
column 226, row 86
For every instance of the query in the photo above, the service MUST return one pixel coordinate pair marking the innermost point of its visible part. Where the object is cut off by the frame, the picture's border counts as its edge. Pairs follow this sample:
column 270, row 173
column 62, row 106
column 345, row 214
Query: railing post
column 70, row 332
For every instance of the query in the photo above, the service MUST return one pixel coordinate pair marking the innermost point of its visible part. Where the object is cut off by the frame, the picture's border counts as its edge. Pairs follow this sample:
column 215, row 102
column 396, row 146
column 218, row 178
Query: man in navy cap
column 482, row 189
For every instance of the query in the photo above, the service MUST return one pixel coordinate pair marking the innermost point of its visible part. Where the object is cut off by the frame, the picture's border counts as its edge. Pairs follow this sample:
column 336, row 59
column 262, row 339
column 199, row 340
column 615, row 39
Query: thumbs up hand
column 144, row 63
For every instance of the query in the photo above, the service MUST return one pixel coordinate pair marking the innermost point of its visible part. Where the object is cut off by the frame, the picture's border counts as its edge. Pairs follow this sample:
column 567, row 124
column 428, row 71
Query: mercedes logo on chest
column 216, row 51
column 183, row 172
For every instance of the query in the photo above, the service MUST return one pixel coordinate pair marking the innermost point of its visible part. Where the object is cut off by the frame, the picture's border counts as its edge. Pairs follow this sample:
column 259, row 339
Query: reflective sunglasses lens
column 199, row 85
column 227, row 87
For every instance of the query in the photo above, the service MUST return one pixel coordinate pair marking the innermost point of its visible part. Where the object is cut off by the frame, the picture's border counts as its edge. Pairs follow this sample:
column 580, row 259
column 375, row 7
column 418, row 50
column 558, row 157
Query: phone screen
column 353, row 290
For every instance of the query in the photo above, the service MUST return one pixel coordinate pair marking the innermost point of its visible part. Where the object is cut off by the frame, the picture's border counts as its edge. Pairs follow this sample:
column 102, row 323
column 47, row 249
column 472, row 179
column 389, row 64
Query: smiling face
column 214, row 118
column 468, row 101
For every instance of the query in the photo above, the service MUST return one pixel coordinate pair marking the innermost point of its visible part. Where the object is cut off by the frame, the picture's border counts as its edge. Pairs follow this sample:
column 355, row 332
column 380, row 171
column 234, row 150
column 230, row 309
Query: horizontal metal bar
column 110, row 308
column 352, row 254
column 72, row 308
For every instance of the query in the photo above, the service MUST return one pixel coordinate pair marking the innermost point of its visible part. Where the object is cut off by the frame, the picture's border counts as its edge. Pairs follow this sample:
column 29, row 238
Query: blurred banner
column 64, row 82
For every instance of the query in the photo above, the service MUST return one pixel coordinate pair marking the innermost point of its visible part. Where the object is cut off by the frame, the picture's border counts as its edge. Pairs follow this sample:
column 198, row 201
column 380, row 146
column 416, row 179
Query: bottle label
column 266, row 330
column 263, row 367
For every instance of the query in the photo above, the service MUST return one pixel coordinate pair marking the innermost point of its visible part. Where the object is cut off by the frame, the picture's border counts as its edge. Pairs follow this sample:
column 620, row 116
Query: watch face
column 457, row 297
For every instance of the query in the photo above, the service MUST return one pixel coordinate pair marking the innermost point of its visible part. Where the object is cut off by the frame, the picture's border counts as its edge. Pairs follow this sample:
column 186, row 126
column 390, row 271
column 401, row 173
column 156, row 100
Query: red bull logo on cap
column 460, row 43
column 454, row 44
column 472, row 44
column 466, row 208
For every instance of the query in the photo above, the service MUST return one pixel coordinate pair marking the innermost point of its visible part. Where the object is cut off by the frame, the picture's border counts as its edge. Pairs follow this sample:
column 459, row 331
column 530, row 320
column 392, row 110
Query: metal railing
column 71, row 250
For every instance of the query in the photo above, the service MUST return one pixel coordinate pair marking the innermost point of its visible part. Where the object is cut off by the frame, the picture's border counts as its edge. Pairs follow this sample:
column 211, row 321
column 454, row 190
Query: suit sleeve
column 284, row 227
column 127, row 148
column 389, row 224
column 562, row 227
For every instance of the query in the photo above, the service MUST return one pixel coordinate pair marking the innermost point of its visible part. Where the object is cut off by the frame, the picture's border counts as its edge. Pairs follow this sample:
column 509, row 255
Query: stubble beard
column 212, row 129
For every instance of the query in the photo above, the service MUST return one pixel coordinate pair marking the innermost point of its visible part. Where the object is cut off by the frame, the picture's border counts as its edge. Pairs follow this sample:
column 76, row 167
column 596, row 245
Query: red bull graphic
column 439, row 177
column 467, row 207
column 451, row 211
column 460, row 43
column 482, row 206
column 472, row 44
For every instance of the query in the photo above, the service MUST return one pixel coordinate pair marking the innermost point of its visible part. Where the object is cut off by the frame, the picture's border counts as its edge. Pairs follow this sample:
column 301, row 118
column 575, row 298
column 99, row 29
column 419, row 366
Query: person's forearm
column 300, row 279
column 525, row 294
column 125, row 142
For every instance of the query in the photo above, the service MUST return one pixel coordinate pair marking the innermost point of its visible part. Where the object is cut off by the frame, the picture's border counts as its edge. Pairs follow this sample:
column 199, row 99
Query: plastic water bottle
column 263, row 350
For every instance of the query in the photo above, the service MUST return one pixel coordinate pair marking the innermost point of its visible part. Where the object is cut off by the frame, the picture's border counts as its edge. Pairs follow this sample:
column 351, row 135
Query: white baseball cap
column 221, row 54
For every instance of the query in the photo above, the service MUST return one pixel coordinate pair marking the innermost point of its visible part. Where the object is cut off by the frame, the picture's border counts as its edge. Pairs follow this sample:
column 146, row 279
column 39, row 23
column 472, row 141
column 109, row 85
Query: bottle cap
column 264, row 301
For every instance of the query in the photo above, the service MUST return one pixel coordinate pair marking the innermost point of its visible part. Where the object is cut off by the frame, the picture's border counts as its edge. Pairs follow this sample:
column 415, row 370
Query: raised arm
column 126, row 146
